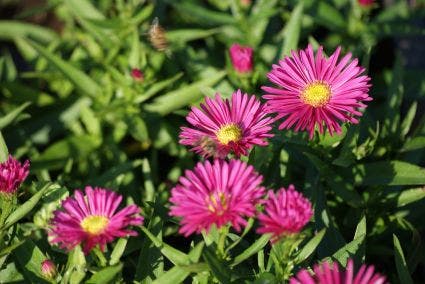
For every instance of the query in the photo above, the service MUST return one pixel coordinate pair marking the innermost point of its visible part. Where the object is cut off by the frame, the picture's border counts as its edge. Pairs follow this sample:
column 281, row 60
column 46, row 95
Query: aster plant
column 223, row 141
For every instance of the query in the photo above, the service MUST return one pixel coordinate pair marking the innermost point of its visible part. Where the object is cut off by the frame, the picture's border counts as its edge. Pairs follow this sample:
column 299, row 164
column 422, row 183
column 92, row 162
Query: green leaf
column 408, row 120
column 410, row 195
column 185, row 95
column 401, row 265
column 174, row 255
column 11, row 116
column 310, row 247
column 175, row 275
column 217, row 266
column 415, row 143
column 75, row 267
column 118, row 251
column 4, row 152
column 157, row 87
column 80, row 80
column 84, row 9
column 184, row 35
column 105, row 275
column 202, row 15
column 29, row 257
column 355, row 248
column 25, row 208
column 251, row 250
column 388, row 173
column 71, row 147
column 329, row 16
column 13, row 29
column 292, row 31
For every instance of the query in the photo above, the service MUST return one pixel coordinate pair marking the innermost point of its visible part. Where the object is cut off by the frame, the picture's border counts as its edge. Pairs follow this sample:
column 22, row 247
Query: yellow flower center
column 94, row 225
column 316, row 94
column 217, row 203
column 229, row 133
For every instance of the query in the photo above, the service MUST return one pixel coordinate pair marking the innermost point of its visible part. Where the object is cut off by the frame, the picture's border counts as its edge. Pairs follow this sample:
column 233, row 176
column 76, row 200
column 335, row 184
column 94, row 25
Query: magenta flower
column 317, row 90
column 331, row 274
column 285, row 213
column 241, row 57
column 227, row 126
column 219, row 193
column 12, row 174
column 48, row 269
column 91, row 220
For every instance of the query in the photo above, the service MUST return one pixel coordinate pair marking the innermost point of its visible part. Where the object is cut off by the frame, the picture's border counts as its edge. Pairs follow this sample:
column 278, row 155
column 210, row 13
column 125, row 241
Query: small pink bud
column 48, row 269
column 241, row 57
column 12, row 174
column 137, row 75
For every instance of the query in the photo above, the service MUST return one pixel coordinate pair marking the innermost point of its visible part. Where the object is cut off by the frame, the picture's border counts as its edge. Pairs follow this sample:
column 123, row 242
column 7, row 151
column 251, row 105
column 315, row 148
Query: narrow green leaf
column 105, row 275
column 13, row 29
column 407, row 122
column 25, row 208
column 311, row 246
column 410, row 195
column 75, row 267
column 401, row 265
column 329, row 16
column 185, row 95
column 292, row 31
column 413, row 144
column 174, row 255
column 253, row 249
column 118, row 251
column 217, row 266
column 350, row 249
column 29, row 257
column 202, row 15
column 184, row 35
column 388, row 173
column 175, row 275
column 80, row 80
column 157, row 87
column 85, row 9
column 4, row 152
column 11, row 116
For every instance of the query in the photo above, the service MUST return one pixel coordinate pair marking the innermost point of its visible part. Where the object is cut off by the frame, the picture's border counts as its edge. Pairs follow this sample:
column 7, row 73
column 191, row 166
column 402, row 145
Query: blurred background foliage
column 70, row 104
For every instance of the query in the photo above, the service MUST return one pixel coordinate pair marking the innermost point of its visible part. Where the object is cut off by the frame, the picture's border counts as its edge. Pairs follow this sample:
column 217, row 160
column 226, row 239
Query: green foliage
column 72, row 107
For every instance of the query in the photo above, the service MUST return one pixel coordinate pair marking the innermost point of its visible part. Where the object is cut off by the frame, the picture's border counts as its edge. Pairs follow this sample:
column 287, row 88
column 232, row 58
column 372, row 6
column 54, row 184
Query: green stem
column 222, row 241
column 101, row 260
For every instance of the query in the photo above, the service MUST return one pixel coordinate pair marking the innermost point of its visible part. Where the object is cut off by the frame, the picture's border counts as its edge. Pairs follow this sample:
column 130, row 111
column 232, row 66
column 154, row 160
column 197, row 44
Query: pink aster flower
column 241, row 57
column 285, row 213
column 220, row 193
column 12, row 174
column 315, row 90
column 91, row 220
column 326, row 273
column 227, row 126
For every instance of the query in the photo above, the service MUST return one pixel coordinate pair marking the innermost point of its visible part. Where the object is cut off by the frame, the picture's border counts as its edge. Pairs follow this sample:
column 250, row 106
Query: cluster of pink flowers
column 312, row 92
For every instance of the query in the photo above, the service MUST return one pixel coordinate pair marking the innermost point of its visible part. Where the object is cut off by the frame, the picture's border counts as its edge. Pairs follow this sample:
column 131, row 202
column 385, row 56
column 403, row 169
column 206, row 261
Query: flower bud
column 48, row 269
column 242, row 58
column 137, row 75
